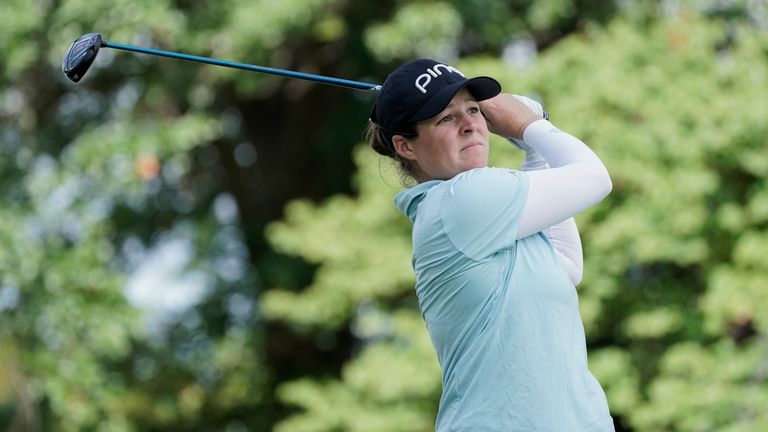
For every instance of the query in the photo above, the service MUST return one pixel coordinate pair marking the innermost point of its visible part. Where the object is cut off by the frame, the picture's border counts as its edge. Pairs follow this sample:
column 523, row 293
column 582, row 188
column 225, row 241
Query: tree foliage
column 674, row 281
column 185, row 247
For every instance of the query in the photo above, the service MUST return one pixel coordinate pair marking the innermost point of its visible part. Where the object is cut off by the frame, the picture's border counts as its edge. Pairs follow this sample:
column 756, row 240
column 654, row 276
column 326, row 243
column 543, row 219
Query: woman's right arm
column 576, row 180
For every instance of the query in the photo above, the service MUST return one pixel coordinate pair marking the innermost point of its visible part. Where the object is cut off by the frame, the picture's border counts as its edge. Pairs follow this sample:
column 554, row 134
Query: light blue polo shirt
column 502, row 313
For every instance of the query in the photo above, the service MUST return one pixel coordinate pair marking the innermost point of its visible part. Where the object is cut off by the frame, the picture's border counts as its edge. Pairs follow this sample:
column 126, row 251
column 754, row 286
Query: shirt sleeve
column 577, row 180
column 481, row 210
column 565, row 238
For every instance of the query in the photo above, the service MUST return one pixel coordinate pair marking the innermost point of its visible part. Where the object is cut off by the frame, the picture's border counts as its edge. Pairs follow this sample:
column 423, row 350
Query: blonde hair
column 380, row 141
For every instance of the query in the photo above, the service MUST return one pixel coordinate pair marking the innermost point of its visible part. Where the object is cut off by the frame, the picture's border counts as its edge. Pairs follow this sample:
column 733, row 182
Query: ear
column 403, row 147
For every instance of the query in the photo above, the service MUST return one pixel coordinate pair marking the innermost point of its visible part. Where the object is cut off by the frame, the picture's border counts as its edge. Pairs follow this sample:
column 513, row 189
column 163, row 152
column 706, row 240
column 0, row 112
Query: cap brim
column 481, row 88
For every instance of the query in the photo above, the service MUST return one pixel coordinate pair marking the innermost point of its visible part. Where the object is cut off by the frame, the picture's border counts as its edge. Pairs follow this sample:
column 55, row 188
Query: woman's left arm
column 563, row 236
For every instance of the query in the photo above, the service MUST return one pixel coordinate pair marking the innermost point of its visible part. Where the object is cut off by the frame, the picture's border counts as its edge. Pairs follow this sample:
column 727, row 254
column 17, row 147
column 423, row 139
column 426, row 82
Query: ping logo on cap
column 423, row 80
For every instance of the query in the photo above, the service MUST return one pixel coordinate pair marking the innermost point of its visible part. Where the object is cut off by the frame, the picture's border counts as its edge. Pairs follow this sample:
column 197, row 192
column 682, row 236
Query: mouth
column 471, row 146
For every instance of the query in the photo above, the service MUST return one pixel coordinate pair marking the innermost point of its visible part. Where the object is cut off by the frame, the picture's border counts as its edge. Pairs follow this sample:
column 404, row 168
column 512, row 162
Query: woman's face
column 453, row 141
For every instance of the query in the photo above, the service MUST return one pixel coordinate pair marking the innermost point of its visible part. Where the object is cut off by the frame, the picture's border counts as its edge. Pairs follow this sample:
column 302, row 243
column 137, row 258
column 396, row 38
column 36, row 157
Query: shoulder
column 487, row 174
column 480, row 209
column 480, row 183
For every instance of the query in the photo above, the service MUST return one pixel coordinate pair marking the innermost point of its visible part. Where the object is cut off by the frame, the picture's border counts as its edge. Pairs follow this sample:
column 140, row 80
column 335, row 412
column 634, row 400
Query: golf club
column 83, row 50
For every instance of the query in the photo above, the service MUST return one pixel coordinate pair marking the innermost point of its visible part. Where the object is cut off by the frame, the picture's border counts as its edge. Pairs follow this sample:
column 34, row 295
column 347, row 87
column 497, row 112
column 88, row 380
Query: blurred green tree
column 101, row 179
column 675, row 258
column 133, row 208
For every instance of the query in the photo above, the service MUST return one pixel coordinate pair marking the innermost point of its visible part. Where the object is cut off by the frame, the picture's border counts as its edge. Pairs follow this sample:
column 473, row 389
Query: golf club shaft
column 262, row 69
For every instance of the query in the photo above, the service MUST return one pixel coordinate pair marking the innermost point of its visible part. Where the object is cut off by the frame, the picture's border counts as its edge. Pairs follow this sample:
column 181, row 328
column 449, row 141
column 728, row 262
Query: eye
column 445, row 119
column 474, row 110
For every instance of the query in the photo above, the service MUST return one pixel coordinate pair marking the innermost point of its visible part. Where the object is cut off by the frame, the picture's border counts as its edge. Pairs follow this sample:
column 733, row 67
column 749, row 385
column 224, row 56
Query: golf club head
column 80, row 56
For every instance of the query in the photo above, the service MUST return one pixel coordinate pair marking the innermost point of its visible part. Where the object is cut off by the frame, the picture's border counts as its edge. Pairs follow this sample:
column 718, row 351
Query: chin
column 480, row 163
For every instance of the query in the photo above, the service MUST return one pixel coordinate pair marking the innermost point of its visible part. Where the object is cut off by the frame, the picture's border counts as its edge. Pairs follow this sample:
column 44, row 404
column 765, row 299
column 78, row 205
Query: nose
column 468, row 123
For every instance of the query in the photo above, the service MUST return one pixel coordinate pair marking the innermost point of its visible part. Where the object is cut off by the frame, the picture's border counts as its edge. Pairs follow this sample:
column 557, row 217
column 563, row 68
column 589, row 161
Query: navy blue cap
column 421, row 89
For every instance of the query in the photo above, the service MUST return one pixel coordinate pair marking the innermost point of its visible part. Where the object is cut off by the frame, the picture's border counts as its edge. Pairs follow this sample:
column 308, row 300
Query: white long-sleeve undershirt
column 563, row 236
column 565, row 178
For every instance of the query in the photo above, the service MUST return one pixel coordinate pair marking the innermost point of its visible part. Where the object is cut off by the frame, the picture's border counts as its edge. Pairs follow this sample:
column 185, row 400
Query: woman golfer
column 496, row 251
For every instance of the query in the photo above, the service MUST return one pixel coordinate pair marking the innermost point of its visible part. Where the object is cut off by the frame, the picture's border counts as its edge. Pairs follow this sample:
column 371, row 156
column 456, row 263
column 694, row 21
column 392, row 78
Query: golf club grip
column 261, row 69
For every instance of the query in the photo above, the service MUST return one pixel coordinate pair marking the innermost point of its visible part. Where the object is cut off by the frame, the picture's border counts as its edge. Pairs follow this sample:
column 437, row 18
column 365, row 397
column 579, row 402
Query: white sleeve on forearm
column 563, row 236
column 576, row 180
